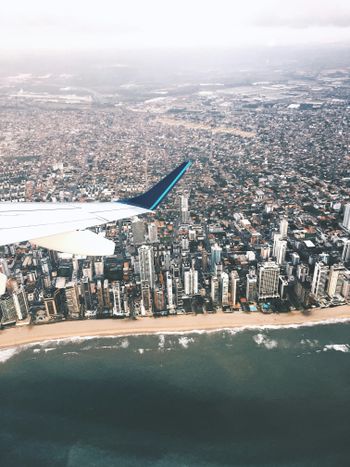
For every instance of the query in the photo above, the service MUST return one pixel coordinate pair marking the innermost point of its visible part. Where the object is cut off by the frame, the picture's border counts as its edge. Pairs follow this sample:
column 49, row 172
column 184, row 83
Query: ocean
column 254, row 397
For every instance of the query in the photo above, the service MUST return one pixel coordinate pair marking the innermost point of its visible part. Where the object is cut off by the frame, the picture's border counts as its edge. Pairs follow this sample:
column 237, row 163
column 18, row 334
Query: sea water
column 254, row 397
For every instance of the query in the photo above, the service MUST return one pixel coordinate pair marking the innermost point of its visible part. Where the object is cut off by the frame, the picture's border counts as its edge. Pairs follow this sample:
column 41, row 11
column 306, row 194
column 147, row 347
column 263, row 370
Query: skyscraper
column 152, row 233
column 191, row 282
column 8, row 312
column 319, row 279
column 185, row 215
column 346, row 219
column 99, row 266
column 169, row 291
column 268, row 279
column 302, row 272
column 252, row 288
column 214, row 290
column 117, row 302
column 234, row 279
column 216, row 251
column 146, row 299
column 284, row 228
column 281, row 249
column 72, row 300
column 224, row 289
column 146, row 258
column 86, row 292
column 21, row 303
column 346, row 251
column 138, row 231
column 335, row 279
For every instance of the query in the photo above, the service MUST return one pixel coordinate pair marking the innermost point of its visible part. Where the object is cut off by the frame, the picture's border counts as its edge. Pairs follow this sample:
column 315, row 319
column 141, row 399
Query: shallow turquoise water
column 276, row 397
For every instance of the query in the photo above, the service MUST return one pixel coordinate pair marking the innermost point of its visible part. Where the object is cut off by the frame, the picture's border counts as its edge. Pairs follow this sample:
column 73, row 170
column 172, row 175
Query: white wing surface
column 47, row 223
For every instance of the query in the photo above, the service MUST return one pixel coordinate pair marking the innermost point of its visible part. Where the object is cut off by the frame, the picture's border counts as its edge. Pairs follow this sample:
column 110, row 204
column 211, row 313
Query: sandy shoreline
column 182, row 323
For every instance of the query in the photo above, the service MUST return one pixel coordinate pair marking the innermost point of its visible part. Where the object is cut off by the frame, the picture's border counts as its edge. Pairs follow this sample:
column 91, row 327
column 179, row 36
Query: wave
column 337, row 347
column 6, row 354
column 262, row 339
column 9, row 352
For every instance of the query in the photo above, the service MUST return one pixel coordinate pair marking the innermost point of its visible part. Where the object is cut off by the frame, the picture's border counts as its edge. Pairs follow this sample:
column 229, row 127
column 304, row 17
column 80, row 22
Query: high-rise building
column 191, row 282
column 216, row 251
column 4, row 268
column 152, row 233
column 268, row 279
column 346, row 287
column 178, row 293
column 8, row 312
column 159, row 299
column 302, row 272
column 117, row 302
column 346, row 219
column 283, row 286
column 252, row 288
column 295, row 258
column 169, row 291
column 72, row 300
column 214, row 290
column 284, row 228
column 86, row 293
column 99, row 293
column 276, row 238
column 146, row 299
column 185, row 215
column 87, row 270
column 265, row 251
column 21, row 303
column 234, row 279
column 224, row 289
column 146, row 258
column 99, row 266
column 106, row 295
column 279, row 248
column 345, row 257
column 319, row 279
column 335, row 279
column 138, row 231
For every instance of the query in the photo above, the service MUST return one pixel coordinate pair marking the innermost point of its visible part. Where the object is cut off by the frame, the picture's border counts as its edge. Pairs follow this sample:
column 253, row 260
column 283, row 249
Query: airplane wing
column 60, row 226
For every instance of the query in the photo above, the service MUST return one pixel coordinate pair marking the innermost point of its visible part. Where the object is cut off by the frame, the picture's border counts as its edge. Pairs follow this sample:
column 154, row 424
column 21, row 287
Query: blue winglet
column 152, row 198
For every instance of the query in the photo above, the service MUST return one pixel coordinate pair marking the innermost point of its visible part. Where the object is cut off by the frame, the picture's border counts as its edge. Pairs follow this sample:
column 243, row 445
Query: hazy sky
column 85, row 24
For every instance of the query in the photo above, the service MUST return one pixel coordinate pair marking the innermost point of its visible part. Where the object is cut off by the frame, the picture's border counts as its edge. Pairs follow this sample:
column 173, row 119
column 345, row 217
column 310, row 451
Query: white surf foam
column 262, row 339
column 185, row 341
column 6, row 354
column 337, row 347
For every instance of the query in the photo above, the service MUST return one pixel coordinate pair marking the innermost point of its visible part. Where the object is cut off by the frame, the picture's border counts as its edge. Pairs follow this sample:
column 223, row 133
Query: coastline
column 24, row 335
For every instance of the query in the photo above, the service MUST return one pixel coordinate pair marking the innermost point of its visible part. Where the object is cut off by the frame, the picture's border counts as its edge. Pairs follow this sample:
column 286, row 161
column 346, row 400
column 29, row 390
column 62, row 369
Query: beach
column 22, row 335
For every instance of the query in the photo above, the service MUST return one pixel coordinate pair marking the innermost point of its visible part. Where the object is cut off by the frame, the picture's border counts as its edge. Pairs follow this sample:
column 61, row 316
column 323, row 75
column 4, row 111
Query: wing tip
column 153, row 197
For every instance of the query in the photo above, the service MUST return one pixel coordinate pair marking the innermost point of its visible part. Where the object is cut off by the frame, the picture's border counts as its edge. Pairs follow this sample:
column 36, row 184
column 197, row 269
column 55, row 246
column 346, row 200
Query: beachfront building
column 224, row 289
column 72, row 300
column 336, row 279
column 252, row 286
column 319, row 279
column 234, row 279
column 146, row 258
column 268, row 280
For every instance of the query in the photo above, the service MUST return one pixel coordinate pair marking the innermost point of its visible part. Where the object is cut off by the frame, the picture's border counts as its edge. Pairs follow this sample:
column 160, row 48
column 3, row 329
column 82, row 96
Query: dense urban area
column 260, row 223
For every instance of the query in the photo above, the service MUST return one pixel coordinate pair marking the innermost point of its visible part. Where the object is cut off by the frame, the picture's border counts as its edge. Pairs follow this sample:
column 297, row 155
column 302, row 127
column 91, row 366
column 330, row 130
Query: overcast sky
column 86, row 24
